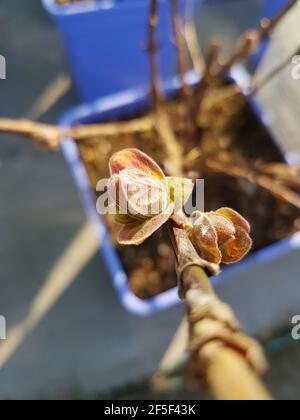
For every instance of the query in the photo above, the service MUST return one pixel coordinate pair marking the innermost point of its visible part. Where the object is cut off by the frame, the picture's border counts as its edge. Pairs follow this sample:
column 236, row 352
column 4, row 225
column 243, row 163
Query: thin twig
column 191, row 39
column 204, row 83
column 186, row 90
column 51, row 136
column 163, row 126
column 49, row 97
column 275, row 187
column 157, row 97
column 268, row 25
column 273, row 73
column 181, row 49
column 251, row 40
column 287, row 175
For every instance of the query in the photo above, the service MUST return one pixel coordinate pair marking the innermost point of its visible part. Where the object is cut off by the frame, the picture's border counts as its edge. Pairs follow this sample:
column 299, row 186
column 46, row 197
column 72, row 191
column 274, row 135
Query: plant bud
column 140, row 191
column 220, row 236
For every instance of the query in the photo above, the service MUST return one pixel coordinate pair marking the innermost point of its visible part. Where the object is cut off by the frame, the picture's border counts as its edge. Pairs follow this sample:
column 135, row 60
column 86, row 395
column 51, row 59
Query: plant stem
column 180, row 44
column 270, row 76
column 268, row 25
column 203, row 85
column 163, row 124
column 277, row 186
column 191, row 39
column 250, row 40
column 51, row 136
column 152, row 49
column 186, row 90
column 228, row 374
column 229, row 361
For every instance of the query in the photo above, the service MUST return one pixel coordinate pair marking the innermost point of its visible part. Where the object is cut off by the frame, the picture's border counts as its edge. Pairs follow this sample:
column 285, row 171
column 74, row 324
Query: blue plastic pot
column 105, row 42
column 127, row 104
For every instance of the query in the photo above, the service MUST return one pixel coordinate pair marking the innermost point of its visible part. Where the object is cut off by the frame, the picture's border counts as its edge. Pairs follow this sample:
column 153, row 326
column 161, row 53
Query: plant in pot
column 207, row 129
column 218, row 137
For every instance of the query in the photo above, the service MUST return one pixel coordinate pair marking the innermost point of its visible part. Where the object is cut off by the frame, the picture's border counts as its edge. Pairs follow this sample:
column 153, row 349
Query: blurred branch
column 51, row 136
column 251, row 40
column 204, row 83
column 194, row 47
column 270, row 76
column 52, row 94
column 152, row 49
column 181, row 49
column 268, row 183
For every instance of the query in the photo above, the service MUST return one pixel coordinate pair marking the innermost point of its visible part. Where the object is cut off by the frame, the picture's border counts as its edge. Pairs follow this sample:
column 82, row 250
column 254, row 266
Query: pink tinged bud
column 221, row 236
column 235, row 217
column 204, row 238
column 140, row 189
column 138, row 195
column 145, row 195
column 134, row 158
column 224, row 228
column 238, row 247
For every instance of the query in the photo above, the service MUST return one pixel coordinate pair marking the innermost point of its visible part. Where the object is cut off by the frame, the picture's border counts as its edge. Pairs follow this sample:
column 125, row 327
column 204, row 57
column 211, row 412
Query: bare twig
column 52, row 135
column 251, row 39
column 45, row 135
column 270, row 76
column 287, row 175
column 268, row 25
column 204, row 83
column 181, row 49
column 152, row 49
column 191, row 38
column 275, row 187
column 50, row 96
column 186, row 90
column 162, row 122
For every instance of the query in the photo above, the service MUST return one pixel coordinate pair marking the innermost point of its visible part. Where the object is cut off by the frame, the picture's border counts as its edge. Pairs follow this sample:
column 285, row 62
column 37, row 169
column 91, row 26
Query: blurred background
column 72, row 339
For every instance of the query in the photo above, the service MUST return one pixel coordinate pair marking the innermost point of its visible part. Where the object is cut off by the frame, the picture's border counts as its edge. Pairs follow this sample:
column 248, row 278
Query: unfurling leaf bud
column 220, row 236
column 142, row 194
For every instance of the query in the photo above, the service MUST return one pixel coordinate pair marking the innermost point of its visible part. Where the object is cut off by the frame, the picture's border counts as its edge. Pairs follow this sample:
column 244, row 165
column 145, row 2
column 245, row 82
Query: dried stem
column 275, row 187
column 191, row 38
column 204, row 83
column 51, row 136
column 250, row 40
column 186, row 90
column 49, row 97
column 268, row 25
column 287, row 175
column 152, row 49
column 163, row 124
column 181, row 49
column 229, row 361
column 270, row 76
